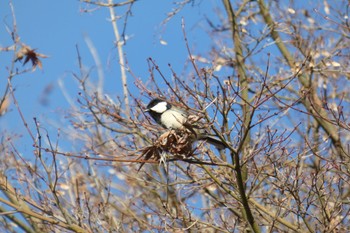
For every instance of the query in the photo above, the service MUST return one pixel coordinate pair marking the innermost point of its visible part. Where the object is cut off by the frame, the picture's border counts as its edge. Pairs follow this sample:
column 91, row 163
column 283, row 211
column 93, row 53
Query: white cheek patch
column 160, row 107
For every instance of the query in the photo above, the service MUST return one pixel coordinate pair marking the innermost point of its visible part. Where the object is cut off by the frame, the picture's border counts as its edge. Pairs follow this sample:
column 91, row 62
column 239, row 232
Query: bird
column 171, row 117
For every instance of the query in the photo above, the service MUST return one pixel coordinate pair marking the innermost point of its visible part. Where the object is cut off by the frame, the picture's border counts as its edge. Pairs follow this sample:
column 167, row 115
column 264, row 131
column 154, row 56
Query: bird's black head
column 156, row 108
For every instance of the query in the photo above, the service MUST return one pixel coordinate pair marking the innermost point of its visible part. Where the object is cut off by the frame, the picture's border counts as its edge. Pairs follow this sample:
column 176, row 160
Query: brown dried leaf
column 4, row 104
column 29, row 54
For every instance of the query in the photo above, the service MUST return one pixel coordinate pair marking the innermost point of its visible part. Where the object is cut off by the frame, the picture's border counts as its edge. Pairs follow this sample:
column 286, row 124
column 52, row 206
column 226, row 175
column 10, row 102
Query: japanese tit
column 171, row 117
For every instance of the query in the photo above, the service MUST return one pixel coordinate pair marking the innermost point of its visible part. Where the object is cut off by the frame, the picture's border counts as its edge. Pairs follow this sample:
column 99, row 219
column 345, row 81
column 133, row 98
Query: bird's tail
column 213, row 141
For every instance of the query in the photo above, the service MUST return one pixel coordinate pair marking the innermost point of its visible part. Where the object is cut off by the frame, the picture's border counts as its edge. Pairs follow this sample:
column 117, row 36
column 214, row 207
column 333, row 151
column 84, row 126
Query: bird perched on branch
column 171, row 117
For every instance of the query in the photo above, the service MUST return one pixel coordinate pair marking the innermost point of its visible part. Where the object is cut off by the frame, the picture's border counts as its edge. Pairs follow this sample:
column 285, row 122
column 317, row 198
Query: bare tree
column 275, row 93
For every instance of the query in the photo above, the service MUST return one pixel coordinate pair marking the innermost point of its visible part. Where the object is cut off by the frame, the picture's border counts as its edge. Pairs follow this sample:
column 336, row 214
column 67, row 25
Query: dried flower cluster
column 177, row 143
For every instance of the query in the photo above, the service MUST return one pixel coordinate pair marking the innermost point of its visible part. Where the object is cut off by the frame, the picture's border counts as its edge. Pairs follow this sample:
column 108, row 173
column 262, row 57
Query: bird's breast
column 173, row 120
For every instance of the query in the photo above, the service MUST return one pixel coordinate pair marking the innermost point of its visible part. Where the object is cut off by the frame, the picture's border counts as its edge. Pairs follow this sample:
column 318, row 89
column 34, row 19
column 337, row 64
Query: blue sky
column 54, row 28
